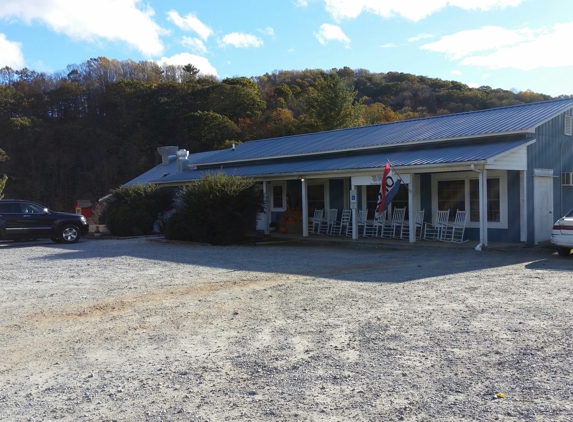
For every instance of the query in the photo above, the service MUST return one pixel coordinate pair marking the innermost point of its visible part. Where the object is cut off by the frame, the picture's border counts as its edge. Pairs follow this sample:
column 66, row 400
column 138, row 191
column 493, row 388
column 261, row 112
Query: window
column 28, row 208
column 401, row 199
column 372, row 199
column 567, row 179
column 8, row 208
column 278, row 197
column 493, row 200
column 315, row 198
column 460, row 191
column 452, row 196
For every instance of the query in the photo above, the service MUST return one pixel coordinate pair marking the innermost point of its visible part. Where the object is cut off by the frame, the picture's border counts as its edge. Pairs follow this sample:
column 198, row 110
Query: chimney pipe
column 182, row 160
column 167, row 154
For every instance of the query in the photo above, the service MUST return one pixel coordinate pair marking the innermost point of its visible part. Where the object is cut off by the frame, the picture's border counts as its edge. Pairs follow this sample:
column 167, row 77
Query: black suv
column 28, row 220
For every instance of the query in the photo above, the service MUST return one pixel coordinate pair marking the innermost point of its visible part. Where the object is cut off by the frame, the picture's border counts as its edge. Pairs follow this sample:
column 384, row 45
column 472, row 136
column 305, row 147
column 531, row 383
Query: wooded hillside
column 79, row 133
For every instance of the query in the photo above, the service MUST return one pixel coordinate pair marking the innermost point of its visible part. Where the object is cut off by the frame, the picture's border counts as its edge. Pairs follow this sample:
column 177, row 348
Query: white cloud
column 496, row 48
column 201, row 63
column 268, row 31
column 464, row 43
column 11, row 53
column 127, row 21
column 328, row 32
column 420, row 37
column 240, row 40
column 190, row 23
column 410, row 9
column 473, row 85
column 194, row 44
column 291, row 50
column 301, row 3
column 456, row 72
column 389, row 45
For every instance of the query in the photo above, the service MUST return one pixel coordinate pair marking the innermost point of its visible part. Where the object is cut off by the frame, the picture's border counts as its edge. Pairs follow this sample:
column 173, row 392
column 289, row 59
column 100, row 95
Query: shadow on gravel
column 337, row 263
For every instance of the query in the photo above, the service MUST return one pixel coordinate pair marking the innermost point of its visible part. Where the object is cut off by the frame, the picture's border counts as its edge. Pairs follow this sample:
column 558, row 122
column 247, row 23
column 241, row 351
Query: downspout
column 304, row 207
column 479, row 247
column 561, row 184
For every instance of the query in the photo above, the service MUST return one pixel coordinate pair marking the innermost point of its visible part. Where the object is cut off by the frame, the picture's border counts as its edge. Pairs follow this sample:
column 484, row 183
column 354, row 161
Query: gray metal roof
column 160, row 171
column 421, row 156
column 498, row 121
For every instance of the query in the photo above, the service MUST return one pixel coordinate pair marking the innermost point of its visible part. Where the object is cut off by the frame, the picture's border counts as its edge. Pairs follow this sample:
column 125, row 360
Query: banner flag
column 388, row 189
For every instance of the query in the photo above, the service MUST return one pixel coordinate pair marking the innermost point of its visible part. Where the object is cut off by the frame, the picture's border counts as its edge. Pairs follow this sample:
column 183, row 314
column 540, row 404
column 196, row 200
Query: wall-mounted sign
column 353, row 199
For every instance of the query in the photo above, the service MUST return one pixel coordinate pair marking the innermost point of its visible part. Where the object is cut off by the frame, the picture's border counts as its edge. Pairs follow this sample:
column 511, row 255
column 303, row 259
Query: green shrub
column 217, row 209
column 133, row 210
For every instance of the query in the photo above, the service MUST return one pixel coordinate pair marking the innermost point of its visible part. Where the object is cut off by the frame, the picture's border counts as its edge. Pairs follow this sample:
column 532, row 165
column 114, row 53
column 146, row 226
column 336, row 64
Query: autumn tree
column 329, row 104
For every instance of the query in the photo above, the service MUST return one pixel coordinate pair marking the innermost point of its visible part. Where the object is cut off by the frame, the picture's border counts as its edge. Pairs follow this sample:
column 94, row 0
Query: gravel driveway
column 141, row 329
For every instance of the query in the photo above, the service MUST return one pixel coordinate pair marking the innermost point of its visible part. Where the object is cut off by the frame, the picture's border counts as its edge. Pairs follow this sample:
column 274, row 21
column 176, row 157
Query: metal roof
column 420, row 156
column 162, row 170
column 521, row 118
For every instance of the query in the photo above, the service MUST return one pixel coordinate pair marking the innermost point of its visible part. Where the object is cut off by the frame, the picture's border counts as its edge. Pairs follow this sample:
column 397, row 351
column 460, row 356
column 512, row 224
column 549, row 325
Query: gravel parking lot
column 142, row 329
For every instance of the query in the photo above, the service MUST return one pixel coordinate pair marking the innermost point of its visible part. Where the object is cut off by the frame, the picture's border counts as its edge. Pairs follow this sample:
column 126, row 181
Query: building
column 509, row 168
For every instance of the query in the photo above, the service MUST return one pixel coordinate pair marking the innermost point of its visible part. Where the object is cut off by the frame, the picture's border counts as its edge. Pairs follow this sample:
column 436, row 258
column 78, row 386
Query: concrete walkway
column 388, row 243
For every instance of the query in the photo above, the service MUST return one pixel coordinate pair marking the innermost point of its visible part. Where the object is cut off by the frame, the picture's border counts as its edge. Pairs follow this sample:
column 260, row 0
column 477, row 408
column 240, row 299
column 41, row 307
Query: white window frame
column 567, row 178
column 467, row 176
column 272, row 196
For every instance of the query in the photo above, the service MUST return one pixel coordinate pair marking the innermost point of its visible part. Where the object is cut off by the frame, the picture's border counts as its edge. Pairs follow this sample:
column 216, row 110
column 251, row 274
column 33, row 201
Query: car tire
column 69, row 233
column 563, row 251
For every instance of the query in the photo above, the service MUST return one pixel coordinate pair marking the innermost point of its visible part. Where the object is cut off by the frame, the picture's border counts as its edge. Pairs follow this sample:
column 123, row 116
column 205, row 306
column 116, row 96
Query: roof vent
column 568, row 125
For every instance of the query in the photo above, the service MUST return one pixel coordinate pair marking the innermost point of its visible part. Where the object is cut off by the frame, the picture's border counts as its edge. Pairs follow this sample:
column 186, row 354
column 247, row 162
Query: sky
column 509, row 44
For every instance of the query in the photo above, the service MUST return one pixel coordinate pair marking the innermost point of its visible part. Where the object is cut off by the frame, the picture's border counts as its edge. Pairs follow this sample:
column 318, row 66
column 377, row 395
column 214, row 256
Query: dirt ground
column 143, row 329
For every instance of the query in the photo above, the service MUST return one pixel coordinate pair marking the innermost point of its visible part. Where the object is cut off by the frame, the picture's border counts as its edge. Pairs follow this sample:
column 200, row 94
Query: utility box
column 84, row 207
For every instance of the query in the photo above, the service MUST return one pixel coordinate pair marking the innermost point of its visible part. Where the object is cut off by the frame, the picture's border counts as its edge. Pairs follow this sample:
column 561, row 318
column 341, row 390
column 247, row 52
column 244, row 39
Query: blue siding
column 552, row 150
column 426, row 196
column 337, row 195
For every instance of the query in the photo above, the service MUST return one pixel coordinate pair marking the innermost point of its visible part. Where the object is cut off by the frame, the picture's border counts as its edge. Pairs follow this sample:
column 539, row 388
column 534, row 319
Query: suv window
column 8, row 208
column 28, row 208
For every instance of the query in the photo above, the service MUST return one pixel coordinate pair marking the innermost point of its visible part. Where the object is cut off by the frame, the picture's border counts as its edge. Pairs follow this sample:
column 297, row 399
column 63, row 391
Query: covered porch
column 486, row 181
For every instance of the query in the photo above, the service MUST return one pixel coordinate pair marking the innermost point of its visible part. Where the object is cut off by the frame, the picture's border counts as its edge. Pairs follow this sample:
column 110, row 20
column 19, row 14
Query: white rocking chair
column 454, row 232
column 344, row 222
column 371, row 228
column 396, row 222
column 434, row 231
column 317, row 221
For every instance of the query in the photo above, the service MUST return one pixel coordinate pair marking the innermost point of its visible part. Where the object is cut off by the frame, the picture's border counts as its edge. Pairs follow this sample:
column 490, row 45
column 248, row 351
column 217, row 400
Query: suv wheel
column 69, row 233
column 563, row 251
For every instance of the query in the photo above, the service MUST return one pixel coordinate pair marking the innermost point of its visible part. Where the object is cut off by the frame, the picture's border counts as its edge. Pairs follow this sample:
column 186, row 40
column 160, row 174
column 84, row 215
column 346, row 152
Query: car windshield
column 569, row 214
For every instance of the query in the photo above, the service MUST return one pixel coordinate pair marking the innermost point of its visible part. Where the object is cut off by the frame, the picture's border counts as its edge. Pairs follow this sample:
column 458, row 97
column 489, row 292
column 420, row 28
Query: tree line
column 78, row 133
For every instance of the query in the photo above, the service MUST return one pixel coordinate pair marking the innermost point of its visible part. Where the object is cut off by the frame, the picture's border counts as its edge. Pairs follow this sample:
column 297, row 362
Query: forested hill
column 77, row 134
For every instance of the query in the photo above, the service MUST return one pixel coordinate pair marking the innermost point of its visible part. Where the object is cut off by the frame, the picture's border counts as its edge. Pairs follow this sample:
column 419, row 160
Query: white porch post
column 267, row 207
column 304, row 209
column 523, row 204
column 354, row 219
column 483, row 206
column 411, row 222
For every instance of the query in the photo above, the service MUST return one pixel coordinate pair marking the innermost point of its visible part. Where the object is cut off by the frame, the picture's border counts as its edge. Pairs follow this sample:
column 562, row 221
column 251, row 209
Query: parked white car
column 562, row 236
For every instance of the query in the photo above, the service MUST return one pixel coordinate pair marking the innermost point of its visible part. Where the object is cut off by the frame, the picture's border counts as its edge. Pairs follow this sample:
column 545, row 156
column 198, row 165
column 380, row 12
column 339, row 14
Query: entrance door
column 543, row 207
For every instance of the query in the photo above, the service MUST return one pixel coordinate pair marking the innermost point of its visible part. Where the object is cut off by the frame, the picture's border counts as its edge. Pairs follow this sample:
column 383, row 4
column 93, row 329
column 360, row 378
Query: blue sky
column 509, row 44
